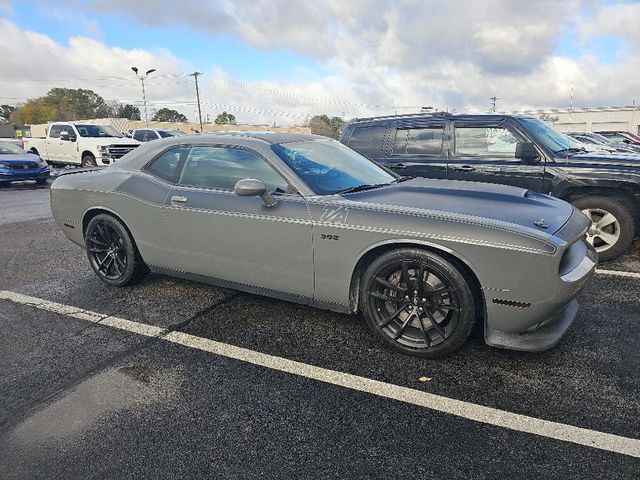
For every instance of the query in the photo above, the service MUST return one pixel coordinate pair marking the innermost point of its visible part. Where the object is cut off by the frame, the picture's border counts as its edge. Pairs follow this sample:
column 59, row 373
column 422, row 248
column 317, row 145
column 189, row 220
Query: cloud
column 34, row 63
column 615, row 20
column 499, row 35
column 379, row 56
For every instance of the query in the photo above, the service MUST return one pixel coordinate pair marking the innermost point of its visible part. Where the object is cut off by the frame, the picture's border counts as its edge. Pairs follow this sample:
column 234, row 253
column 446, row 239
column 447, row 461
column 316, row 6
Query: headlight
column 103, row 148
column 4, row 165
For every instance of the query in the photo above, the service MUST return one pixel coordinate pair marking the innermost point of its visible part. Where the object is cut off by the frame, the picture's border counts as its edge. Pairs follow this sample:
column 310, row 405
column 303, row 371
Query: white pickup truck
column 82, row 144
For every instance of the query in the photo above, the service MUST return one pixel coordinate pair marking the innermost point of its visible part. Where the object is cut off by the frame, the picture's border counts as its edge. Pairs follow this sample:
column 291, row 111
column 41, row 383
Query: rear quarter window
column 167, row 166
column 367, row 140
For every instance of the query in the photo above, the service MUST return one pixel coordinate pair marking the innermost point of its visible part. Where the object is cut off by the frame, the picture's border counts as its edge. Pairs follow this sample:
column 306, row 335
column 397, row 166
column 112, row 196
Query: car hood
column 110, row 141
column 621, row 159
column 497, row 202
column 19, row 158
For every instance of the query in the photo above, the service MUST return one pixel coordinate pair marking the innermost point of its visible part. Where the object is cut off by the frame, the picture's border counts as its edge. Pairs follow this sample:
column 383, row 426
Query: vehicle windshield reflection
column 328, row 167
column 551, row 138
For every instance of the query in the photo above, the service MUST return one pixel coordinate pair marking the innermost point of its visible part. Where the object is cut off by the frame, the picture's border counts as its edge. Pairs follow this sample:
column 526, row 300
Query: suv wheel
column 417, row 302
column 612, row 225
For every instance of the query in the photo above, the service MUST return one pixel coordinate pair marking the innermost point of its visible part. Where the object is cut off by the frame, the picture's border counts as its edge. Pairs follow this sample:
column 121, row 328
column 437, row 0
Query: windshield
column 602, row 139
column 329, row 167
column 97, row 131
column 549, row 136
column 170, row 133
column 7, row 148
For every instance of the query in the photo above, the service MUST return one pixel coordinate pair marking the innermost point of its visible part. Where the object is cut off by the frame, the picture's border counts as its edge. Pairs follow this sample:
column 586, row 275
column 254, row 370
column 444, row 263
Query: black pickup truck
column 513, row 150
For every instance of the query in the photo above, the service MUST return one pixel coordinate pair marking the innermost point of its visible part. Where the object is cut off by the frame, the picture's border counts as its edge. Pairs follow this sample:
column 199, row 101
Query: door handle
column 464, row 168
column 177, row 200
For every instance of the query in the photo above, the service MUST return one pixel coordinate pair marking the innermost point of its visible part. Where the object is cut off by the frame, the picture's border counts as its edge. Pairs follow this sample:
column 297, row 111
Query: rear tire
column 112, row 252
column 417, row 302
column 612, row 226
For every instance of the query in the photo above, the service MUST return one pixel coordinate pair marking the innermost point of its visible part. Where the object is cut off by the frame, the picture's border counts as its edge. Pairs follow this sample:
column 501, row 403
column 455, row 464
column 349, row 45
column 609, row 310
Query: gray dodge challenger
column 304, row 218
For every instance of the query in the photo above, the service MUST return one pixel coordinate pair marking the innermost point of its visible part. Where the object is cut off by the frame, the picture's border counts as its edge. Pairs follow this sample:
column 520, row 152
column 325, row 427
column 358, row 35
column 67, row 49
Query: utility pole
column 493, row 104
column 195, row 76
column 142, row 78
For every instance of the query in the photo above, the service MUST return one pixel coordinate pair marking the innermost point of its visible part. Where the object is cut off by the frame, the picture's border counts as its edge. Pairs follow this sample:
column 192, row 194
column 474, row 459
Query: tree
column 327, row 126
column 225, row 119
column 33, row 112
column 128, row 111
column 76, row 104
column 6, row 111
column 168, row 115
column 61, row 104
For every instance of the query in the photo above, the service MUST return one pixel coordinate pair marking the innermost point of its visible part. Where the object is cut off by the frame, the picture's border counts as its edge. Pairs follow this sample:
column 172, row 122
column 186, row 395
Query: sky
column 282, row 61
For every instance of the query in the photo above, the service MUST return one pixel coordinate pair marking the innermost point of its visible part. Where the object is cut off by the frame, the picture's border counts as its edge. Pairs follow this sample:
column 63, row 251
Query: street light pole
column 195, row 76
column 142, row 78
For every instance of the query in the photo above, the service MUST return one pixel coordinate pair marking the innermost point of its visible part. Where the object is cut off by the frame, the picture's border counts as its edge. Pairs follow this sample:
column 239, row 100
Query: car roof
column 439, row 115
column 269, row 137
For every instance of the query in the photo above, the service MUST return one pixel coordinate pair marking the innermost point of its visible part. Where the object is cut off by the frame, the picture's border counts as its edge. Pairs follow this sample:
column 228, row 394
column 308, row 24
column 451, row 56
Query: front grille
column 118, row 151
column 22, row 166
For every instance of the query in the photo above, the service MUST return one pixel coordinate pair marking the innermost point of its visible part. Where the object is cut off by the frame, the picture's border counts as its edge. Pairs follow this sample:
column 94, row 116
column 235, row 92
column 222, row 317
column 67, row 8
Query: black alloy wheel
column 418, row 303
column 112, row 253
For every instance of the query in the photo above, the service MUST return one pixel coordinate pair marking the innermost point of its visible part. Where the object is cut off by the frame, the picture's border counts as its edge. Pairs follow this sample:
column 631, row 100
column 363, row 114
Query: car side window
column 367, row 140
column 150, row 135
column 485, row 142
column 419, row 141
column 139, row 135
column 222, row 167
column 167, row 165
column 55, row 131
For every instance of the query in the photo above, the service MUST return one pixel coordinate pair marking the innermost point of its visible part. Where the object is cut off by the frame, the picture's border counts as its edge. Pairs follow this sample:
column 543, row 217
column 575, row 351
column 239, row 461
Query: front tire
column 612, row 225
column 112, row 253
column 88, row 161
column 418, row 303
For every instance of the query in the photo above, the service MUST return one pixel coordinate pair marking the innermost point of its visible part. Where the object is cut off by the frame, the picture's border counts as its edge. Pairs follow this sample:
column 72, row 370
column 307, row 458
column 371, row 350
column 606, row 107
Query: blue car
column 17, row 165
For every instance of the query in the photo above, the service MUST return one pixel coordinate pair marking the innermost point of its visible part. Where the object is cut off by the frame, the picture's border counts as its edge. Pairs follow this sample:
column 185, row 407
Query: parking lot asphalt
column 79, row 399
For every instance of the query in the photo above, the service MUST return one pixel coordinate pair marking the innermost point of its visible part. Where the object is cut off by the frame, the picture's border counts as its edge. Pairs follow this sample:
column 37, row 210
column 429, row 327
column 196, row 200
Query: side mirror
column 67, row 137
column 527, row 152
column 252, row 187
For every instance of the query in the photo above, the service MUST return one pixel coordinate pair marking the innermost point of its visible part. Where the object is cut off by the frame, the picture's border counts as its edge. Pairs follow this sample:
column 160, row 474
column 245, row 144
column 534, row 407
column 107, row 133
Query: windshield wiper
column 404, row 178
column 360, row 188
column 571, row 150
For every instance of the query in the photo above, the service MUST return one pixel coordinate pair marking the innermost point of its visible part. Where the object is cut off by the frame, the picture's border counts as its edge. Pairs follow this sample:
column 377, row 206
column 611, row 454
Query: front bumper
column 12, row 175
column 539, row 324
column 542, row 338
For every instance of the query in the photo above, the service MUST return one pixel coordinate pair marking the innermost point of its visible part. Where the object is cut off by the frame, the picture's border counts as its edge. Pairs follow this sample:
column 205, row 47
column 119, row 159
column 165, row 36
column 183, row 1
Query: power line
column 283, row 93
column 109, row 77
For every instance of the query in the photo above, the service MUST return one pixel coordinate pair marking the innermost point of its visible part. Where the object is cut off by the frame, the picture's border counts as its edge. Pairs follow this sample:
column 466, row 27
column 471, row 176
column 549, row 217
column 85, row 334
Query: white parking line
column 459, row 408
column 618, row 273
